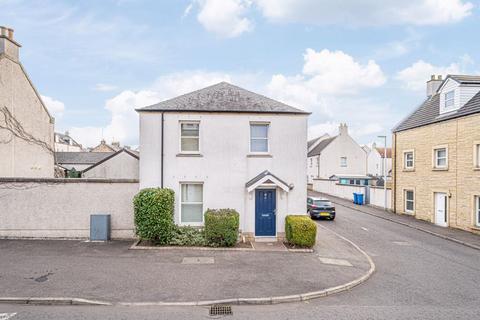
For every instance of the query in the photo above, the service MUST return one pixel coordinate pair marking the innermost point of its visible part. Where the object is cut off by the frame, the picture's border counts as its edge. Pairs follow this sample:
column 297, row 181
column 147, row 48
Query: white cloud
column 395, row 49
column 415, row 76
column 325, row 73
column 334, row 86
column 367, row 12
column 55, row 107
column 320, row 129
column 330, row 85
column 225, row 17
column 123, row 124
column 187, row 11
column 105, row 87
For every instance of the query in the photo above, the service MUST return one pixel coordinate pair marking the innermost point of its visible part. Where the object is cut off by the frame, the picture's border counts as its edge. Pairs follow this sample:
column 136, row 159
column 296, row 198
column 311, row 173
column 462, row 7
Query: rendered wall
column 61, row 208
column 18, row 157
column 225, row 164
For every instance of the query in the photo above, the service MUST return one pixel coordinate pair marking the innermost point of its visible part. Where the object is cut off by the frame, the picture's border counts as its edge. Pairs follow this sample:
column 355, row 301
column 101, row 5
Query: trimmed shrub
column 221, row 227
column 188, row 236
column 153, row 209
column 300, row 230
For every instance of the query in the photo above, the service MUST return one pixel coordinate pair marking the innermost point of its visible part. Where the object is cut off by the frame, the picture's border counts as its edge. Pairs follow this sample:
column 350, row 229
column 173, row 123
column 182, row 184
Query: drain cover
column 220, row 310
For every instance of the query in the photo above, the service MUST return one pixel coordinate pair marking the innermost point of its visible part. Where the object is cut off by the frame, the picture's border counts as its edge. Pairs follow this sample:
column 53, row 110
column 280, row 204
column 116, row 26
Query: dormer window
column 449, row 99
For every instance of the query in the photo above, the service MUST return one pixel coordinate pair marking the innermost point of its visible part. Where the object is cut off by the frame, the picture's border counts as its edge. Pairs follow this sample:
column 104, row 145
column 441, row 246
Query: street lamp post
column 384, row 170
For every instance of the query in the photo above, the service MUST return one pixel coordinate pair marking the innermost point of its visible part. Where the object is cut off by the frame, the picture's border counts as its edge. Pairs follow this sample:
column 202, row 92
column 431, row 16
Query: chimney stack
column 343, row 129
column 433, row 84
column 8, row 46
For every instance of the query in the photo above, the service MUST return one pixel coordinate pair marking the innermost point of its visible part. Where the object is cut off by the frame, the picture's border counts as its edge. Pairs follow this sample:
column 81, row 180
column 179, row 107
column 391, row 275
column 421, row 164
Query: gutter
column 394, row 190
column 162, row 155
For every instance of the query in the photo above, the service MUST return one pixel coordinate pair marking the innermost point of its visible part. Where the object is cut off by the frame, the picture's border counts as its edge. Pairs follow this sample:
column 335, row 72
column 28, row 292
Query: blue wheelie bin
column 355, row 198
column 360, row 198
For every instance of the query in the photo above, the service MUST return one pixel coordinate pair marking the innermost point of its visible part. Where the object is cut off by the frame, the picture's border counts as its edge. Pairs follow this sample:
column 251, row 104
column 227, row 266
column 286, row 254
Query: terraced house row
column 437, row 155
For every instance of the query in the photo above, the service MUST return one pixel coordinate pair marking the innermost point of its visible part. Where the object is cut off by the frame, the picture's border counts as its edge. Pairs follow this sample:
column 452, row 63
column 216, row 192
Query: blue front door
column 265, row 205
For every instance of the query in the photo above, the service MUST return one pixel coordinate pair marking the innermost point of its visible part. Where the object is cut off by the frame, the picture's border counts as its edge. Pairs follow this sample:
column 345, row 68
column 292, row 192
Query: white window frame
column 189, row 137
column 476, row 155
column 435, row 157
column 405, row 200
column 181, row 203
column 477, row 210
column 405, row 162
column 449, row 104
column 342, row 163
column 259, row 123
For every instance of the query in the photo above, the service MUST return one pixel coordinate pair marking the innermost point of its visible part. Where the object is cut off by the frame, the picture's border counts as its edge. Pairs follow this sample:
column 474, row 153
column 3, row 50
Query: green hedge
column 188, row 236
column 153, row 209
column 300, row 230
column 221, row 227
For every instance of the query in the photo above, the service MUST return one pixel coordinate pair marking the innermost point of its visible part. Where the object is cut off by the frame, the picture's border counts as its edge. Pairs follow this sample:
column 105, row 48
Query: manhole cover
column 337, row 262
column 220, row 310
column 401, row 243
column 198, row 260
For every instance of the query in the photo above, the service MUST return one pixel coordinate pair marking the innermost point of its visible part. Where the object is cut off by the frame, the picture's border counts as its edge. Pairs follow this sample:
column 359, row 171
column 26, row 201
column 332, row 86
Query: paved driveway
column 110, row 272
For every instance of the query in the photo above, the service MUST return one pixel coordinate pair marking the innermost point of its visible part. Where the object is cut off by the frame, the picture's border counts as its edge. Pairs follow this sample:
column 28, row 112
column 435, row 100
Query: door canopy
column 267, row 178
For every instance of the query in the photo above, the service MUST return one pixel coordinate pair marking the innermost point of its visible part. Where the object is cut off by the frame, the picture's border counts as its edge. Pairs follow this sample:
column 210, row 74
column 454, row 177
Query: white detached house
column 226, row 147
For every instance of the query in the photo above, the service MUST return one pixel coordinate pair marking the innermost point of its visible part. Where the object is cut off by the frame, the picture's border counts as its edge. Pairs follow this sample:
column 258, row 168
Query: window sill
column 197, row 155
column 259, row 155
column 476, row 169
column 440, row 169
column 408, row 170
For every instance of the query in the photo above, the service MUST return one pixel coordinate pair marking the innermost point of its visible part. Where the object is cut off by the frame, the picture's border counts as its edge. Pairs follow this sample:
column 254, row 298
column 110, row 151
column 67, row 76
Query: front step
column 266, row 239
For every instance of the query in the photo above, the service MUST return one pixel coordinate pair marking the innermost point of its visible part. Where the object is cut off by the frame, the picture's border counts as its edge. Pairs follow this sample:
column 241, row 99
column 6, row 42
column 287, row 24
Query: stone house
column 106, row 147
column 436, row 153
column 226, row 147
column 26, row 127
column 340, row 157
column 65, row 143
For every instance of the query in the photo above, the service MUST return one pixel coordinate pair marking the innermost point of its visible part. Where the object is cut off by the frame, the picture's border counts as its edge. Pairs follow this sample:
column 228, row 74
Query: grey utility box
column 99, row 227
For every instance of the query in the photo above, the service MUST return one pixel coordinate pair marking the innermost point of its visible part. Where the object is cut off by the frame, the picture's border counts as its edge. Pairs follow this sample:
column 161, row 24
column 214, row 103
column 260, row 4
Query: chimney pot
column 439, row 77
column 432, row 77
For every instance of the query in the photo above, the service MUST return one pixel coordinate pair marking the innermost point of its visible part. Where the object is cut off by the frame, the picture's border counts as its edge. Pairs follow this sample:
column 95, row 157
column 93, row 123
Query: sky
column 364, row 63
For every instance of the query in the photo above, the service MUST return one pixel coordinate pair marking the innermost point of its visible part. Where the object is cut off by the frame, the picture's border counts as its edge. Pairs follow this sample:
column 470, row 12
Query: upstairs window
column 440, row 158
column 259, row 137
column 449, row 100
column 408, row 160
column 189, row 137
column 477, row 155
column 343, row 161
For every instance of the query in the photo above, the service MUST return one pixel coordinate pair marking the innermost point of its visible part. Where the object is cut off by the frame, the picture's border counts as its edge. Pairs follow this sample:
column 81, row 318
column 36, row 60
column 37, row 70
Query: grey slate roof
column 223, row 97
column 263, row 174
column 132, row 153
column 80, row 157
column 429, row 112
column 311, row 142
column 322, row 145
column 465, row 79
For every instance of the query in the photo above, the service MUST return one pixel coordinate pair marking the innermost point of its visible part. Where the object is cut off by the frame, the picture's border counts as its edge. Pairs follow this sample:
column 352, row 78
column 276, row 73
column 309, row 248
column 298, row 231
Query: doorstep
column 266, row 239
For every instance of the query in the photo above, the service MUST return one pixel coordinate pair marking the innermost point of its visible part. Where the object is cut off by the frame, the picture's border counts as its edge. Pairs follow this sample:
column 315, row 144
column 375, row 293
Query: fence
column 61, row 208
column 374, row 195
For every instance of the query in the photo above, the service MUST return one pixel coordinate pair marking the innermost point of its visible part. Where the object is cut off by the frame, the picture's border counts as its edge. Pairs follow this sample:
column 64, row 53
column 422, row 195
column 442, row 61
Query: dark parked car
column 320, row 208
